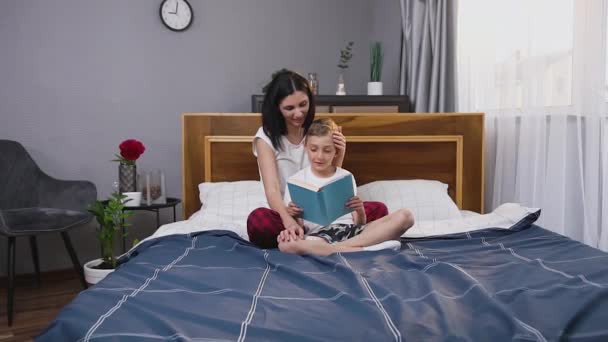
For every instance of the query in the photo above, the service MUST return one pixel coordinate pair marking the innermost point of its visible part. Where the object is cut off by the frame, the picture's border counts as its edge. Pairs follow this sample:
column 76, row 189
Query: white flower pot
column 92, row 275
column 374, row 88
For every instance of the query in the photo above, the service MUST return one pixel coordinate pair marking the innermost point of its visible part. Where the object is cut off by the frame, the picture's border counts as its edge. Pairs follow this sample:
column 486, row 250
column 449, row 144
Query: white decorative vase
column 374, row 88
column 93, row 275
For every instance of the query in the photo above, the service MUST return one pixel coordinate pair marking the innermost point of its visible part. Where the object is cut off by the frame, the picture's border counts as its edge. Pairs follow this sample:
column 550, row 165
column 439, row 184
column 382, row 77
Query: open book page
column 305, row 185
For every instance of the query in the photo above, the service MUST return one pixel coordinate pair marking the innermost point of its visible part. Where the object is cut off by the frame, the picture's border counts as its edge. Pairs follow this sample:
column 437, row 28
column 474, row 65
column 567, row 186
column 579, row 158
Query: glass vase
column 127, row 178
column 152, row 187
column 341, row 88
column 314, row 83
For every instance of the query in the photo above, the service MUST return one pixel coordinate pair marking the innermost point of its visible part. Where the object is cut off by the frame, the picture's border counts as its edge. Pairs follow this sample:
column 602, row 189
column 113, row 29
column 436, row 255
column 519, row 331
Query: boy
column 348, row 233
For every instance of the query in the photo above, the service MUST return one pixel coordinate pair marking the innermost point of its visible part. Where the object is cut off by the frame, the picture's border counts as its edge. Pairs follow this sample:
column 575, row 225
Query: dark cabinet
column 350, row 103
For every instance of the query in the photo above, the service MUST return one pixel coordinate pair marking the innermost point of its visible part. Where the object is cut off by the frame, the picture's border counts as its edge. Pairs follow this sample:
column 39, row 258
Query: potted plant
column 346, row 55
column 111, row 217
column 374, row 86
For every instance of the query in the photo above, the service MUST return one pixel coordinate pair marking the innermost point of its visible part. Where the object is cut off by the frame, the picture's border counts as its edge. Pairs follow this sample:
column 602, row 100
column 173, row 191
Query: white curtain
column 537, row 68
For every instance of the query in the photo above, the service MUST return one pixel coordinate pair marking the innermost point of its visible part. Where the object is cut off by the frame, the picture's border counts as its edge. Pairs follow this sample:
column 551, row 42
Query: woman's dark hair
column 283, row 84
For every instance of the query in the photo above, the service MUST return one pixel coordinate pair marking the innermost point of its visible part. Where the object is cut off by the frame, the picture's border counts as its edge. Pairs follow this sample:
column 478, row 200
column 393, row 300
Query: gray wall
column 386, row 28
column 79, row 76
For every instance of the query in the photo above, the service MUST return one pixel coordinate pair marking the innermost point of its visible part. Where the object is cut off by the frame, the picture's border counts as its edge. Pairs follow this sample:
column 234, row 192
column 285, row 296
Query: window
column 515, row 53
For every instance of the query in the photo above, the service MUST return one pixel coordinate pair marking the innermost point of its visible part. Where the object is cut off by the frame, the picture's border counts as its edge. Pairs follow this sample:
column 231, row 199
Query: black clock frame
column 160, row 13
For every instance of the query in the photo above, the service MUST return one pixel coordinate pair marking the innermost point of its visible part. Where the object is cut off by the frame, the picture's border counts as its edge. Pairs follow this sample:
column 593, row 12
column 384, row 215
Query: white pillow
column 427, row 199
column 506, row 216
column 226, row 205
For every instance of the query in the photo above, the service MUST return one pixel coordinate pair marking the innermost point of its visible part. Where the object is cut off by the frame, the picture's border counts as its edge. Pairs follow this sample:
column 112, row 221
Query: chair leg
column 11, row 279
column 34, row 249
column 75, row 262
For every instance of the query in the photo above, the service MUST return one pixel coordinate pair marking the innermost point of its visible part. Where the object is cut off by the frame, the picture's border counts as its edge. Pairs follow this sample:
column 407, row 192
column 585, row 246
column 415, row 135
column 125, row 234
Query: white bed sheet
column 503, row 217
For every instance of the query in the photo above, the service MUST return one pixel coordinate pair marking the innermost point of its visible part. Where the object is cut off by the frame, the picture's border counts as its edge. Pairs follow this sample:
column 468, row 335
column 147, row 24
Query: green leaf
column 345, row 55
column 111, row 219
column 376, row 61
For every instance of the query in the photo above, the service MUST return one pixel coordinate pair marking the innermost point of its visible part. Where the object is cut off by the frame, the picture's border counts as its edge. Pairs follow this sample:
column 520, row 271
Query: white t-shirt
column 291, row 159
column 307, row 176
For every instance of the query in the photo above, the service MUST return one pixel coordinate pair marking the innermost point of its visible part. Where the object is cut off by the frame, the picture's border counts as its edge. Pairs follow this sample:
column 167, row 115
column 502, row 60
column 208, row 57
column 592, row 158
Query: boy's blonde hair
column 322, row 127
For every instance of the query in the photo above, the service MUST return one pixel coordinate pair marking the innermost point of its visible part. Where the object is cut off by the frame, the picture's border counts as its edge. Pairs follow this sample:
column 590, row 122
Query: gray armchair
column 33, row 203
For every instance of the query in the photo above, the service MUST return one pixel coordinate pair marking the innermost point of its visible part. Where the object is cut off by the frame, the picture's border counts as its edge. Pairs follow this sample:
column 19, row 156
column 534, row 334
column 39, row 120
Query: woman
column 287, row 112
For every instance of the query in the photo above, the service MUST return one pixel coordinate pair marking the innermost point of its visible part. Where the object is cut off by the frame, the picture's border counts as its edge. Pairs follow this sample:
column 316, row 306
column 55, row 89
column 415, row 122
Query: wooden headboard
column 216, row 147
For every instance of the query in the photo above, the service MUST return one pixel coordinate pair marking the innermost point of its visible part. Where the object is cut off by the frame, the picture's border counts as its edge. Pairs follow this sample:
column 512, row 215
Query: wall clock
column 177, row 15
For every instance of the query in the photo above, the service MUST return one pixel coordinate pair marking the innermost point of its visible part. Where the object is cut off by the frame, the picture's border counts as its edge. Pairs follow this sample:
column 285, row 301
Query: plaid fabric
column 264, row 225
column 374, row 210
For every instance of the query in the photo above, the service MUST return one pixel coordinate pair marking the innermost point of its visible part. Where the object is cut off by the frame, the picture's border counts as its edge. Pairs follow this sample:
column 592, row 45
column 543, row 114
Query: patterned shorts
column 337, row 232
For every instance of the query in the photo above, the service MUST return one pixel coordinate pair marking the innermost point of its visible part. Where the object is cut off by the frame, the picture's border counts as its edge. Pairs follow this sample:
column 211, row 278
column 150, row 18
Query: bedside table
column 172, row 202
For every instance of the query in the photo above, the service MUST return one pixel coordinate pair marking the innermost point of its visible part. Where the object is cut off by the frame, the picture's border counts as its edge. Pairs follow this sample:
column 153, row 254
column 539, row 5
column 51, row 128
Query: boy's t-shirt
column 306, row 175
column 291, row 159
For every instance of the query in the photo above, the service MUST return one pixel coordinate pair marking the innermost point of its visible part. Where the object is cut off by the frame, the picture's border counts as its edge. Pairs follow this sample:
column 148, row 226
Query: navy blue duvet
column 523, row 284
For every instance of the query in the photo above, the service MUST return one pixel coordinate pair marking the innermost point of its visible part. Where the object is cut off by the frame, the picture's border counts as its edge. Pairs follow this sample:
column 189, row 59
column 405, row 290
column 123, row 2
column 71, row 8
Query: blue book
column 322, row 205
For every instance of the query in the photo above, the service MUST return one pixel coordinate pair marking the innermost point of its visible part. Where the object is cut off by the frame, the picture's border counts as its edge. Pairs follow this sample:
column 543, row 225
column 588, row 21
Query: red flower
column 130, row 150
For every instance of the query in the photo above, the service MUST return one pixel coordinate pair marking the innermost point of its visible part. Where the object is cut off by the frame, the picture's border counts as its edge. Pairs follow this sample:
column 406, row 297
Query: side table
column 172, row 202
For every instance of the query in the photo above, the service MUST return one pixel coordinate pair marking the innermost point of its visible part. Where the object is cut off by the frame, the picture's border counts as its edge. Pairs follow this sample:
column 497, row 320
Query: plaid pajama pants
column 264, row 225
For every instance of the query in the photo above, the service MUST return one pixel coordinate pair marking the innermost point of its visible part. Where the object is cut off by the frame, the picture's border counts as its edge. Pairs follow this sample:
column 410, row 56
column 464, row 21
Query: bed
column 484, row 276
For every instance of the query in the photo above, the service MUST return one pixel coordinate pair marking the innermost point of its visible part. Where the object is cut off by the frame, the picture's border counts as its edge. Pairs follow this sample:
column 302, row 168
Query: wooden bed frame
column 216, row 147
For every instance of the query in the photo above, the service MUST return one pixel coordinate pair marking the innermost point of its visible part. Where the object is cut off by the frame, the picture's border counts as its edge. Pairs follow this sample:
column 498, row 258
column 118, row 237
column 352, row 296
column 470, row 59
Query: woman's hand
column 340, row 144
column 339, row 141
column 293, row 210
column 293, row 231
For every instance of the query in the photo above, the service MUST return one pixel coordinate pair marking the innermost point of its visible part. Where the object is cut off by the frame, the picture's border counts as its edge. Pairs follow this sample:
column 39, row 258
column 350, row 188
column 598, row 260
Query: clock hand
column 176, row 4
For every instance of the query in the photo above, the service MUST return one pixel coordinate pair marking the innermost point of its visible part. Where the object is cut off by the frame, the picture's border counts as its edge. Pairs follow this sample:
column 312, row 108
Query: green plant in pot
column 374, row 86
column 110, row 216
